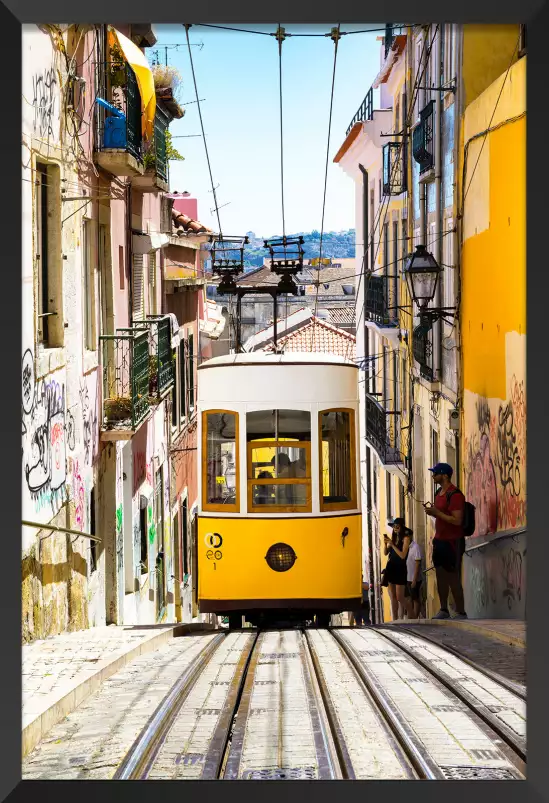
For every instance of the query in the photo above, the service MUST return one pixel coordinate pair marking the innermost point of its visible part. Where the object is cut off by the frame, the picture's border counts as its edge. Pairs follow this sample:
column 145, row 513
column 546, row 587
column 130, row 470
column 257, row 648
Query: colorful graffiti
column 494, row 462
column 79, row 496
column 90, row 432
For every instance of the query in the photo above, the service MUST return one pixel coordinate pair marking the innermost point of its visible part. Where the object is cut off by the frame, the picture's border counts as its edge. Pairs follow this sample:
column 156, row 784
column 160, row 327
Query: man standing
column 448, row 542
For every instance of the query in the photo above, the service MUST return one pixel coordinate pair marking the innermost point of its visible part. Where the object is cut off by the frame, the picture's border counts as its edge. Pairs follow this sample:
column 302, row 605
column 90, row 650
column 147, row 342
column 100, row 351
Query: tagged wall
column 494, row 340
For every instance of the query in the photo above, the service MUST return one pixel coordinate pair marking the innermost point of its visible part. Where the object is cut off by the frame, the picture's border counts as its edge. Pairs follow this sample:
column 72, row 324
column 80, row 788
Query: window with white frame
column 152, row 283
column 47, row 217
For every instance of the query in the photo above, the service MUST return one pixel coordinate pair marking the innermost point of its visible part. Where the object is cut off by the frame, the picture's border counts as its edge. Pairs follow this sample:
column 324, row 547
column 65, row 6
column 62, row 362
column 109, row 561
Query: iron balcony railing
column 118, row 109
column 125, row 357
column 394, row 168
column 422, row 348
column 161, row 362
column 380, row 306
column 423, row 140
column 155, row 156
column 383, row 431
column 365, row 110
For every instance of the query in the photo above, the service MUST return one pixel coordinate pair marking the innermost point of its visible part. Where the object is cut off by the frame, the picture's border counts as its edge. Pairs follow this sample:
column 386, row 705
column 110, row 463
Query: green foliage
column 172, row 154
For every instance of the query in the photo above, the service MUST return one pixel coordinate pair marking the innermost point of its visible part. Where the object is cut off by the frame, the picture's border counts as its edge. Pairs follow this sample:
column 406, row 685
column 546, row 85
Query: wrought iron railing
column 379, row 308
column 423, row 140
column 383, row 431
column 161, row 363
column 394, row 168
column 422, row 348
column 156, row 152
column 118, row 109
column 365, row 110
column 125, row 357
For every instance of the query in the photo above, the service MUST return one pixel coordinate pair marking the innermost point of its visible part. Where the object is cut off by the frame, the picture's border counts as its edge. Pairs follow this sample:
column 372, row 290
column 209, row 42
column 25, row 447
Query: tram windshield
column 337, row 459
column 279, row 460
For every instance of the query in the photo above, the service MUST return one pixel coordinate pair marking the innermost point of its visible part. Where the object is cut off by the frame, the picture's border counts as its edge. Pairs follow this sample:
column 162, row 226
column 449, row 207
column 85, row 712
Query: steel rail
column 426, row 768
column 482, row 711
column 510, row 685
column 141, row 755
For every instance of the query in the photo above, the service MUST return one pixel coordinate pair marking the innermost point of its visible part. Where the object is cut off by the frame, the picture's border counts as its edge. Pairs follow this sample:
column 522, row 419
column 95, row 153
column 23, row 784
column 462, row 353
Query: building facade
column 427, row 162
column 110, row 337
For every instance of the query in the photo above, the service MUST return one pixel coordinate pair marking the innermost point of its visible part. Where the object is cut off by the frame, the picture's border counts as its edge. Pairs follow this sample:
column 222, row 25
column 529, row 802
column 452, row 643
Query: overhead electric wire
column 202, row 128
column 267, row 33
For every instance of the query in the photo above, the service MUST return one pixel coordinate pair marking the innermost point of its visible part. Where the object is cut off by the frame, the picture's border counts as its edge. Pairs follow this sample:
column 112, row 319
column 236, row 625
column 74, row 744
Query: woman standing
column 396, row 570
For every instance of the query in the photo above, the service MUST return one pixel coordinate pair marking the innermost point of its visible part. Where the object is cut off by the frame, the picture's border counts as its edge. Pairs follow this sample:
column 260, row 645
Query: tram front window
column 337, row 460
column 221, row 469
column 279, row 464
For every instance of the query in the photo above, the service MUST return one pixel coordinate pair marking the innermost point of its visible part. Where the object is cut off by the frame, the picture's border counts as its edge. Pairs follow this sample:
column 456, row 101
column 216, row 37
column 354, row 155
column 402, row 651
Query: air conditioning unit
column 454, row 419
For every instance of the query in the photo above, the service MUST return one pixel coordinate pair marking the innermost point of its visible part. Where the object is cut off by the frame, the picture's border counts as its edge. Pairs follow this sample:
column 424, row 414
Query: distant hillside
column 335, row 244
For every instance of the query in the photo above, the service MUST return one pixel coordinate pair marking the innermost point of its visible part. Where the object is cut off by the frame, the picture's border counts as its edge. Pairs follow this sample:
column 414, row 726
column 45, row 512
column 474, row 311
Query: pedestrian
column 395, row 570
column 413, row 570
column 362, row 615
column 448, row 543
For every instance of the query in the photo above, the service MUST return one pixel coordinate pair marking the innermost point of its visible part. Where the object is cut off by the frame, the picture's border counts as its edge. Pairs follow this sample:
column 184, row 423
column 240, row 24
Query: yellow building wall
column 487, row 53
column 493, row 314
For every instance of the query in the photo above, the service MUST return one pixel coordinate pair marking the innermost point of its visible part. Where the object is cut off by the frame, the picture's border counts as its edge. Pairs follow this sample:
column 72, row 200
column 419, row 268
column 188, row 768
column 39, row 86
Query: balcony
column 380, row 310
column 383, row 433
column 422, row 348
column 423, row 141
column 394, row 168
column 125, row 359
column 155, row 158
column 118, row 147
column 365, row 111
column 161, row 368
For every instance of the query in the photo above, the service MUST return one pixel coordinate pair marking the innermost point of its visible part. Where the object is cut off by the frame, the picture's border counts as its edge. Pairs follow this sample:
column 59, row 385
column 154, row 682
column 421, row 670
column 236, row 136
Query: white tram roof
column 265, row 358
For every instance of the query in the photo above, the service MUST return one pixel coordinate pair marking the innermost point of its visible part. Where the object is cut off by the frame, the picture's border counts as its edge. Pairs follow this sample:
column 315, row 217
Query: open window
column 279, row 461
column 220, row 461
column 337, row 460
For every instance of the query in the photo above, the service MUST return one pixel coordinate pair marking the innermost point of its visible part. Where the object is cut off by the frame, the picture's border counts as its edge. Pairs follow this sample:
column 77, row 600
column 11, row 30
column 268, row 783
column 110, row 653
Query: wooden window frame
column 207, row 506
column 271, row 444
column 352, row 504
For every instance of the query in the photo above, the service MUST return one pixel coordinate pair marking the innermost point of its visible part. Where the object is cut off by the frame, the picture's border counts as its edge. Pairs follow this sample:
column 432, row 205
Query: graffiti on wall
column 495, row 453
column 494, row 582
column 44, row 439
column 44, row 97
column 79, row 496
column 90, row 432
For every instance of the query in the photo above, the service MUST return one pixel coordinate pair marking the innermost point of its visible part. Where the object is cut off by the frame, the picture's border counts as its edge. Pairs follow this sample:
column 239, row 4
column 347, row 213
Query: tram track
column 319, row 704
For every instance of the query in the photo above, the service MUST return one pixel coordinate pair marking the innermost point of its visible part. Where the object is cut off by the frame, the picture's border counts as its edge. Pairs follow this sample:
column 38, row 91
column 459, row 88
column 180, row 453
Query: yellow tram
column 279, row 524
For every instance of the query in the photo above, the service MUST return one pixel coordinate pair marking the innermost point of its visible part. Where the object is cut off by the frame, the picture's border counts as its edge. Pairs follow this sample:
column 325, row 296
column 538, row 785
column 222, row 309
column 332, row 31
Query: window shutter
column 138, row 310
column 152, row 283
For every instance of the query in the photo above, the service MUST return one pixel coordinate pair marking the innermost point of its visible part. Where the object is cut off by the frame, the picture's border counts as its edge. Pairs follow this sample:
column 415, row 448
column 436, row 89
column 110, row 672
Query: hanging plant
column 167, row 78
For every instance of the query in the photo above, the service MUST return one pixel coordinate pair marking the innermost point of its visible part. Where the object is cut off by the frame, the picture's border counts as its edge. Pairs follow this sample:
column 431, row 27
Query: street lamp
column 422, row 272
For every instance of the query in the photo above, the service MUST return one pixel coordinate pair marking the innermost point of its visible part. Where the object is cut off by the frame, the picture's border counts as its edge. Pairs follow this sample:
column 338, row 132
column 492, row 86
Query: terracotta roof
column 181, row 221
column 339, row 315
column 318, row 336
column 349, row 139
column 397, row 46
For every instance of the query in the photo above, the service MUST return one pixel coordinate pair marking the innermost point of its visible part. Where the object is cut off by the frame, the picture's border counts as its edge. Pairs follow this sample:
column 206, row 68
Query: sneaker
column 459, row 616
column 442, row 615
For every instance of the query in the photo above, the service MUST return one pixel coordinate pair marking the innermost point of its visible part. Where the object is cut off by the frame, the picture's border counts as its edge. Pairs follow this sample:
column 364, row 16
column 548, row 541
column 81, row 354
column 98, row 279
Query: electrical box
column 115, row 133
column 454, row 420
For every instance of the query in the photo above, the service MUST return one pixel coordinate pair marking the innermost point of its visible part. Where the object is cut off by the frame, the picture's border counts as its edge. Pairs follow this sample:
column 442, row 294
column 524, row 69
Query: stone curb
column 40, row 724
column 499, row 635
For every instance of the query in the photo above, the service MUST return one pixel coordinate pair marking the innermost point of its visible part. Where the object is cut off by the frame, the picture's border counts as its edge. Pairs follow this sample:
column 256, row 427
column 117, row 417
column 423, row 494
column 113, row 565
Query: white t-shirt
column 414, row 553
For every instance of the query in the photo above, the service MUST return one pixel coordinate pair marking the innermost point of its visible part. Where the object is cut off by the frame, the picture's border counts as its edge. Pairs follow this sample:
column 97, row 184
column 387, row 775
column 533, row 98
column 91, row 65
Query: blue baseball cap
column 442, row 468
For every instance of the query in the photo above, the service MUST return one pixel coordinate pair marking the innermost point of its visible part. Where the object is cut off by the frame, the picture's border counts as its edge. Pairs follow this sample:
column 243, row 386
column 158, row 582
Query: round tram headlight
column 280, row 557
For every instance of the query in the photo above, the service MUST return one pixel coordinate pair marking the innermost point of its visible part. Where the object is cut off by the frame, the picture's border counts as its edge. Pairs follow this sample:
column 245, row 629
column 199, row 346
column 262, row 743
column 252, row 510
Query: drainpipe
column 365, row 239
column 438, row 328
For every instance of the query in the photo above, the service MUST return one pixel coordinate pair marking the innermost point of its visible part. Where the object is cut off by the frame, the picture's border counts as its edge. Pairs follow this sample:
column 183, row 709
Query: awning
column 139, row 64
column 145, row 243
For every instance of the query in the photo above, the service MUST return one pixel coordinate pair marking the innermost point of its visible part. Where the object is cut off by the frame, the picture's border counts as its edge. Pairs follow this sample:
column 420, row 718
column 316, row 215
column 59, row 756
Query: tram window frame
column 352, row 502
column 212, row 506
column 279, row 443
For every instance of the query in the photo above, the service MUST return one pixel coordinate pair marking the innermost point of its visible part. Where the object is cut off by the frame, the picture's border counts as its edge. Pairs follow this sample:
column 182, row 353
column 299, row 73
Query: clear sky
column 237, row 76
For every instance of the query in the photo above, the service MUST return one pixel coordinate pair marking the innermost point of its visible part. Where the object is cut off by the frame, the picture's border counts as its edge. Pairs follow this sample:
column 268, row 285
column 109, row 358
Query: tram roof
column 264, row 358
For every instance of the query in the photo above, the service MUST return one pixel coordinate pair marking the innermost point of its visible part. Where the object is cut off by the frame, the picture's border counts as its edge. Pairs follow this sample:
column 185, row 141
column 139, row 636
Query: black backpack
column 469, row 523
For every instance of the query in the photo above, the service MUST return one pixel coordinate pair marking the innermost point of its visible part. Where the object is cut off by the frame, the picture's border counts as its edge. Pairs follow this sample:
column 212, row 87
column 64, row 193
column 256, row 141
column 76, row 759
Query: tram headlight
column 280, row 557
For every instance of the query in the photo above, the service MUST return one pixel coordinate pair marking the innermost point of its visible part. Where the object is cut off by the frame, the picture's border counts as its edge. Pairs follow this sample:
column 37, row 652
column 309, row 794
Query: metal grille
column 422, row 139
column 394, row 168
column 282, row 774
column 133, row 113
column 138, row 307
column 160, row 155
column 377, row 306
column 161, row 362
column 152, row 283
column 384, row 438
column 477, row 774
column 125, row 378
column 422, row 348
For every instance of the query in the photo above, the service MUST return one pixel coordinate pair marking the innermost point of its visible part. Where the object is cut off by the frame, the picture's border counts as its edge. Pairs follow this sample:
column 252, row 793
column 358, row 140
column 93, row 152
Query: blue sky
column 237, row 76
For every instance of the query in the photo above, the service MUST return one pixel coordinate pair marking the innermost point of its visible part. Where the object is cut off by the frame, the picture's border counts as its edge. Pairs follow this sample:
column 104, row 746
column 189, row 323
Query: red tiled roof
column 318, row 336
column 185, row 222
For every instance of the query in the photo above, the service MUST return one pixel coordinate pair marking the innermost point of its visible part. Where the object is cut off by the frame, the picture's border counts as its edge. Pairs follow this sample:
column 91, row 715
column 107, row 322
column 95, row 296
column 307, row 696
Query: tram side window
column 279, row 460
column 337, row 460
column 220, row 466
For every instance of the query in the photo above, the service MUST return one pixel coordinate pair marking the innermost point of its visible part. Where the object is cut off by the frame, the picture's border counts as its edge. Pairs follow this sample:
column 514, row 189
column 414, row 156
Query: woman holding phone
column 396, row 574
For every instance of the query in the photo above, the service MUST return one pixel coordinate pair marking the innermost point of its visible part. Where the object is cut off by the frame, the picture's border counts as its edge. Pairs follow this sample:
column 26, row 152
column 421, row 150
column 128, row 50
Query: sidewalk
column 60, row 672
column 509, row 631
